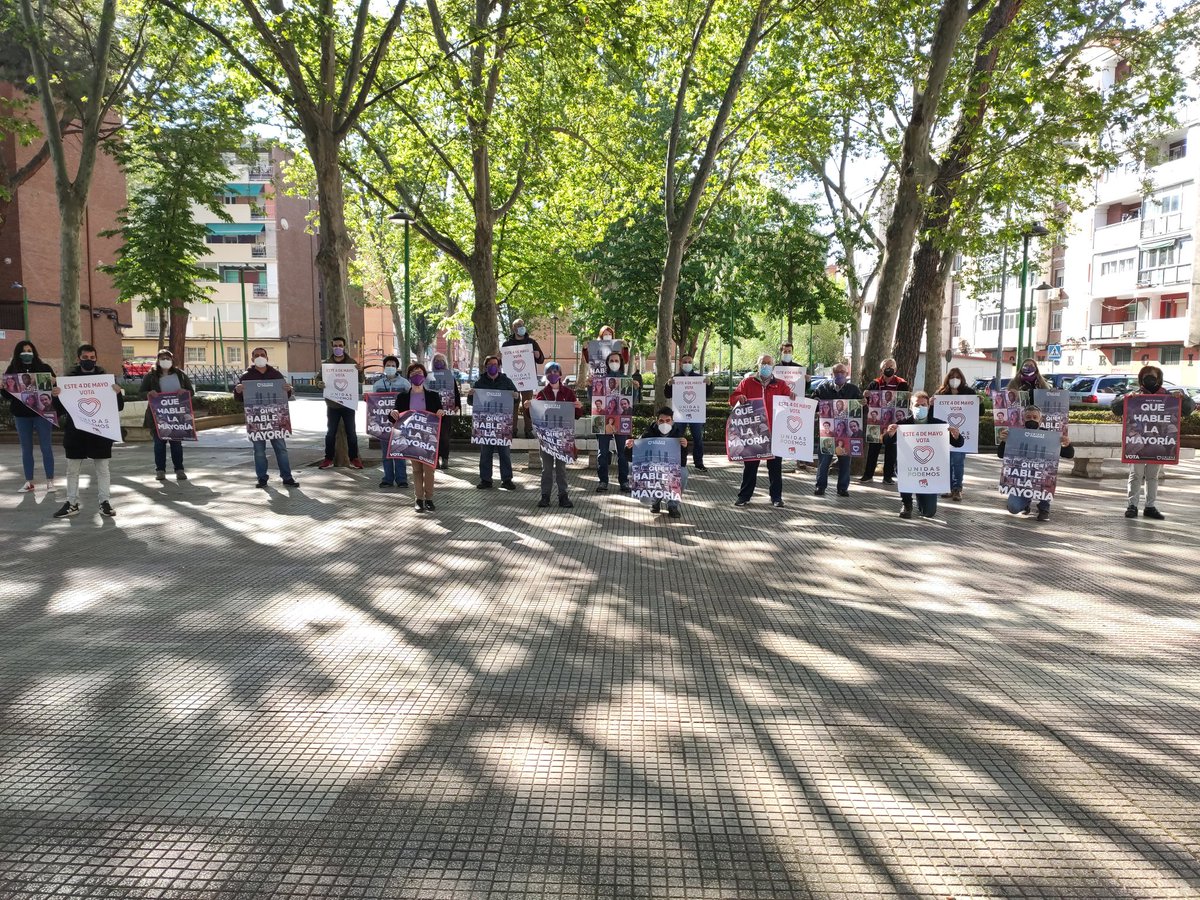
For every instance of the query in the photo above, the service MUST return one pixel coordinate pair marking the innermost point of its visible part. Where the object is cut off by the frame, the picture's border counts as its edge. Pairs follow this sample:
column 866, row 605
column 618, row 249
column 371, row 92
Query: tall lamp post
column 1035, row 230
column 404, row 216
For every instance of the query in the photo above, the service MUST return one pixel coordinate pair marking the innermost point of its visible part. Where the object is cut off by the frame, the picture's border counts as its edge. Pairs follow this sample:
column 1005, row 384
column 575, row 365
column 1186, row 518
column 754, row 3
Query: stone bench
column 583, row 444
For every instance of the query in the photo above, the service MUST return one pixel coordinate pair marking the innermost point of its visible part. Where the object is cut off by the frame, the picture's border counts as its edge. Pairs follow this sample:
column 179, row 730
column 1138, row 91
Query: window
column 1056, row 320
column 1170, row 356
column 1122, row 356
column 1177, row 150
column 990, row 322
column 151, row 321
column 126, row 351
column 1058, row 277
column 233, row 354
column 1168, row 309
column 1111, row 267
column 195, row 354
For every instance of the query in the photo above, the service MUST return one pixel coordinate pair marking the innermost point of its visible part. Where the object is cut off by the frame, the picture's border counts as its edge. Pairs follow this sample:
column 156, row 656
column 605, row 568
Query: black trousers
column 774, row 479
column 889, row 459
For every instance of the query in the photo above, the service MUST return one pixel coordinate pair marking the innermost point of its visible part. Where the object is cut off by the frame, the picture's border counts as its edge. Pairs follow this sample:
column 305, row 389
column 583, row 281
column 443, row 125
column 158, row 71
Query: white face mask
column 165, row 364
column 955, row 383
column 687, row 367
column 664, row 427
column 260, row 361
column 614, row 367
column 787, row 357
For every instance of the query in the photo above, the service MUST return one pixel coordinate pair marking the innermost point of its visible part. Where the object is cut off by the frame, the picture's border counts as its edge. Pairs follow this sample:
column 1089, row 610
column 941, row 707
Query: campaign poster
column 793, row 426
column 520, row 366
column 747, row 435
column 840, row 426
column 91, row 403
column 792, row 376
column 379, row 414
column 688, row 399
column 341, row 383
column 598, row 357
column 961, row 412
column 554, row 424
column 415, row 436
column 267, row 415
column 1030, row 468
column 492, row 418
column 884, row 408
column 442, row 382
column 656, row 473
column 34, row 390
column 1008, row 408
column 173, row 417
column 612, row 405
column 923, row 459
column 1151, row 428
column 1055, row 407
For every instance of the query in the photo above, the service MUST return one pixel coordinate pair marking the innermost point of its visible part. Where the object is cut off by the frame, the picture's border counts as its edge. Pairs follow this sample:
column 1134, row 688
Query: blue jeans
column 696, row 429
column 957, row 462
column 160, row 454
column 1020, row 504
column 26, row 426
column 485, row 463
column 604, row 457
column 279, row 445
column 926, row 503
column 826, row 460
column 333, row 416
column 395, row 470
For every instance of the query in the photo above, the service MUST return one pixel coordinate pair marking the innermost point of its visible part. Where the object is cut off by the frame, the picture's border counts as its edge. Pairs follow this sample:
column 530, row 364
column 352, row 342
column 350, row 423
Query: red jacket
column 753, row 389
column 565, row 395
column 895, row 383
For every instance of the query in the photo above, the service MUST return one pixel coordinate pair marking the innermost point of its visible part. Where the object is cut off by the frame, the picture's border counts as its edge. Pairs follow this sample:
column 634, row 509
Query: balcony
column 258, row 251
column 1165, row 277
column 1141, row 331
column 1116, row 237
column 260, row 291
column 1123, row 183
column 261, row 173
column 1174, row 171
column 1159, row 226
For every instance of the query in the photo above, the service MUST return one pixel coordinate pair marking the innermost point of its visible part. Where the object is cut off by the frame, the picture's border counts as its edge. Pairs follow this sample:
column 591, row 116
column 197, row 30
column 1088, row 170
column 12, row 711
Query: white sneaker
column 26, row 487
column 50, row 488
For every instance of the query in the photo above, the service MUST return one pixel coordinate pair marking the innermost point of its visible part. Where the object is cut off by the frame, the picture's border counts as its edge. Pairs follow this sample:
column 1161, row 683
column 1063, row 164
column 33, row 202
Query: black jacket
column 486, row 383
column 1067, row 452
column 678, row 430
column 830, row 391
column 19, row 409
column 433, row 400
column 932, row 420
column 1187, row 406
column 708, row 388
column 83, row 444
column 538, row 356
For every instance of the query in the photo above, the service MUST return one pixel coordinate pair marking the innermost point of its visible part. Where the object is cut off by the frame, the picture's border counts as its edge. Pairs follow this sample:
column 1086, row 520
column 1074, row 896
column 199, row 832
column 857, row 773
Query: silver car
column 1099, row 391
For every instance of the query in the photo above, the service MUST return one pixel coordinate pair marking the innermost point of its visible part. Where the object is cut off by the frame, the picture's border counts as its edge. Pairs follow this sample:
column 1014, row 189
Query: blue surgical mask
column 687, row 367
column 521, row 331
column 390, row 371
column 920, row 413
column 764, row 371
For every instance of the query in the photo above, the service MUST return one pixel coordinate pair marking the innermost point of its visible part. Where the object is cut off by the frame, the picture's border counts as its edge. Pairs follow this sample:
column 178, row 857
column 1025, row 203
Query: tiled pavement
column 226, row 693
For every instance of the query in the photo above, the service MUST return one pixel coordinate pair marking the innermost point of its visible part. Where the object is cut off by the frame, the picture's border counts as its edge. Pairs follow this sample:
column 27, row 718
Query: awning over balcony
column 235, row 228
column 1159, row 245
column 244, row 190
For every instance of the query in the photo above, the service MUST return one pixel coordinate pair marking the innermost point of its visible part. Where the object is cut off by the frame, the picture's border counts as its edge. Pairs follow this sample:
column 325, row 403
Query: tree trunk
column 915, row 173
column 666, row 311
column 917, row 296
column 177, row 329
column 483, row 280
column 70, row 208
column 333, row 239
column 704, row 349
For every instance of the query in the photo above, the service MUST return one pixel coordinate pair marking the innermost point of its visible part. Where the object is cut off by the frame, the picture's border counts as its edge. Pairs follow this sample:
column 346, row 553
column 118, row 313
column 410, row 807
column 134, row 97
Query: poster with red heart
column 341, row 383
column 962, row 412
column 520, row 367
column 688, row 398
column 91, row 403
column 923, row 459
column 793, row 428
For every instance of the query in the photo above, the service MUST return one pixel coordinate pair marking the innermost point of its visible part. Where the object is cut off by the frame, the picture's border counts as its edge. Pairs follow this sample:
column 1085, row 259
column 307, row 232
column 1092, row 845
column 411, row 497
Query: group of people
column 412, row 393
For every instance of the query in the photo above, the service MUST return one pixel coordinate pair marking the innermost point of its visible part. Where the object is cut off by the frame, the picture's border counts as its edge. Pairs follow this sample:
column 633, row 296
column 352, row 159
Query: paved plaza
column 226, row 692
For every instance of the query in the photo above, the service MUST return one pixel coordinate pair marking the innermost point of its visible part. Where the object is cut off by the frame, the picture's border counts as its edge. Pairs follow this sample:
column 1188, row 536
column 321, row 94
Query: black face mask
column 1150, row 384
column 888, row 373
column 87, row 364
column 1029, row 423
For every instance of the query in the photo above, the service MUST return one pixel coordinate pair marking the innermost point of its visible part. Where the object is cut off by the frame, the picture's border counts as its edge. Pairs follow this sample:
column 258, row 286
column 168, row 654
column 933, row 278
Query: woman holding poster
column 395, row 471
column 416, row 397
column 1150, row 381
column 164, row 378
column 26, row 362
column 956, row 383
column 922, row 414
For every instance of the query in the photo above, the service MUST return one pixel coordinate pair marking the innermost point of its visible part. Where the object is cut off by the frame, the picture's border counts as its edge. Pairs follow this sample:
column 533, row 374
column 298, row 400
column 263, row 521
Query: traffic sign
column 1054, row 352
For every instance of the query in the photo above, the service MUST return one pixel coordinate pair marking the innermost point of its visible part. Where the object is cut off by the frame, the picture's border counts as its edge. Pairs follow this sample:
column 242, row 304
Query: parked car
column 985, row 385
column 570, row 381
column 1061, row 381
column 1098, row 391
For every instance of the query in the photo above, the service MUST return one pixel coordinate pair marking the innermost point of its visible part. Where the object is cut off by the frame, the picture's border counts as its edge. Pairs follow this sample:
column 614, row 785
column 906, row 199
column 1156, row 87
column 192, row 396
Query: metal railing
column 259, row 251
column 1116, row 330
column 261, row 173
column 1180, row 274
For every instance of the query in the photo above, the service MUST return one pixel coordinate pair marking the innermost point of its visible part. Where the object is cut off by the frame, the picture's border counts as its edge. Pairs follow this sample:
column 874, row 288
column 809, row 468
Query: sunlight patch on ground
column 817, row 659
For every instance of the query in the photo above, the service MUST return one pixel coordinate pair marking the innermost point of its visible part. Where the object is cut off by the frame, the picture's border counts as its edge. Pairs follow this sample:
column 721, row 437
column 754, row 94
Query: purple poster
column 1151, row 429
column 1030, row 468
column 33, row 389
column 173, row 417
column 415, row 436
column 379, row 409
column 267, row 415
column 747, row 435
column 656, row 473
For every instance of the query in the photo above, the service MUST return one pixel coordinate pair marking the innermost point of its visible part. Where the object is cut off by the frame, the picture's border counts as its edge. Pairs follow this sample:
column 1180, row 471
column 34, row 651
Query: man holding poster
column 748, row 432
column 491, row 402
column 90, row 417
column 792, row 428
column 1030, row 470
column 1153, row 421
column 689, row 394
column 381, row 400
column 342, row 375
column 169, row 393
column 265, row 393
column 840, row 387
column 522, row 355
column 554, row 412
column 659, row 470
column 922, row 457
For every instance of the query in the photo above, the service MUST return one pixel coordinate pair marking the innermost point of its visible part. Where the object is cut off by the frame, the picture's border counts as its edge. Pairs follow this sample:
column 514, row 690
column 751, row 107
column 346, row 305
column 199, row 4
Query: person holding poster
column 492, row 379
column 1017, row 503
column 762, row 386
column 165, row 378
column 80, row 445
column 262, row 370
column 337, row 414
column 417, row 398
column 520, row 338
column 664, row 426
column 619, row 426
column 554, row 469
column 838, row 388
column 687, row 369
column 607, row 338
column 395, row 471
column 922, row 414
column 955, row 385
column 27, row 365
column 442, row 380
column 1150, row 381
column 889, row 383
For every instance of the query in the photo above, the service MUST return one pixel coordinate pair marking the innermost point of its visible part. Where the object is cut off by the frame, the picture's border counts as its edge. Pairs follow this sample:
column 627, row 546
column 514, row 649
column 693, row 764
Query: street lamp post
column 1000, row 333
column 1035, row 230
column 403, row 216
